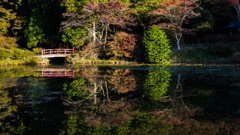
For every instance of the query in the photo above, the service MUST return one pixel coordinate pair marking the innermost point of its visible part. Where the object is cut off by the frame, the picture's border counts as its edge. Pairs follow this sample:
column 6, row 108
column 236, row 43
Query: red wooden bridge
column 51, row 53
column 57, row 73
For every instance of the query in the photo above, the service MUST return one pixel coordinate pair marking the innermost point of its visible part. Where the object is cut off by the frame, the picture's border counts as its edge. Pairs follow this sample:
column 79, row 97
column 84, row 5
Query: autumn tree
column 123, row 45
column 176, row 13
column 103, row 14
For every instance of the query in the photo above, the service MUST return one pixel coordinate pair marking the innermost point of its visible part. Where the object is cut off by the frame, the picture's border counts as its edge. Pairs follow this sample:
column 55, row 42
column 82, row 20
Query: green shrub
column 157, row 45
column 5, row 53
column 37, row 50
column 21, row 54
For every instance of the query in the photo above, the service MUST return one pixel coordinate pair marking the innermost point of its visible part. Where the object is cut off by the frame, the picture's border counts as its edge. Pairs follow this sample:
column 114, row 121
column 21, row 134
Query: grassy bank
column 218, row 53
column 17, row 56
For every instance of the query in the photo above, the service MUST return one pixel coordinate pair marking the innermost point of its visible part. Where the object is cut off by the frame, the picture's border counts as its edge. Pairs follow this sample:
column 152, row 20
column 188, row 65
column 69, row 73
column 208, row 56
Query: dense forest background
column 68, row 23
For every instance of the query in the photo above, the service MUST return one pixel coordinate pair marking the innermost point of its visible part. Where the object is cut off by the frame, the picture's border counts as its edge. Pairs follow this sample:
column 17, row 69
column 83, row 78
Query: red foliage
column 176, row 12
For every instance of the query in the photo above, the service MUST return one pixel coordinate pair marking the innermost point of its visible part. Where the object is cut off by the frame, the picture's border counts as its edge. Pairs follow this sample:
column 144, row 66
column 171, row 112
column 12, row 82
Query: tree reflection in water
column 178, row 111
column 95, row 94
column 9, row 101
column 95, row 99
column 122, row 101
column 157, row 83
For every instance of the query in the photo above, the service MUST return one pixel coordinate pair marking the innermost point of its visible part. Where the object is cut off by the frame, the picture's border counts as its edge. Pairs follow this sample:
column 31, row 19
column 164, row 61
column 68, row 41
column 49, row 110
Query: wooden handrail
column 57, row 51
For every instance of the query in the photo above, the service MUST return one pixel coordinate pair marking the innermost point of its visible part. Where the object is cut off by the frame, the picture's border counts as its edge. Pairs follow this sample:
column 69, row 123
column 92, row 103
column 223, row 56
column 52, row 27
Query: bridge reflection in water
column 58, row 73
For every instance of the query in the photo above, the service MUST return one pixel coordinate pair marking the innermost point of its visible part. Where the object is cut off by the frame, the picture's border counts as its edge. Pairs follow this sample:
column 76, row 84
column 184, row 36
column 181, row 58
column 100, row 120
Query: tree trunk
column 178, row 45
column 106, row 34
column 95, row 93
column 94, row 34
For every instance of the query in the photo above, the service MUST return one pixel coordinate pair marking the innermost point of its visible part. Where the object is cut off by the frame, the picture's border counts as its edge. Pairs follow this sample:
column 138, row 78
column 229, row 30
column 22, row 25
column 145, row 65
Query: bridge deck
column 53, row 55
column 55, row 69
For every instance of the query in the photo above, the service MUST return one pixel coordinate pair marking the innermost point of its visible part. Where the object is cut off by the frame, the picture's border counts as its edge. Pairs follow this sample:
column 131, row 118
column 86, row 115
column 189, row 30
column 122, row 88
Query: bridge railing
column 57, row 51
column 57, row 73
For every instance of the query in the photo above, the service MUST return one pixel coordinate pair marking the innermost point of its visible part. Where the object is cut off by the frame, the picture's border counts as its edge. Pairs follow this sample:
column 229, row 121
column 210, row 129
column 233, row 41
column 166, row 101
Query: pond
column 120, row 99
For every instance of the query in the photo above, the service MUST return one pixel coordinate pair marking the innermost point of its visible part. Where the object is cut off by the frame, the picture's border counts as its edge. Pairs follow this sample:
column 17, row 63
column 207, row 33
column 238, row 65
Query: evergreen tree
column 157, row 45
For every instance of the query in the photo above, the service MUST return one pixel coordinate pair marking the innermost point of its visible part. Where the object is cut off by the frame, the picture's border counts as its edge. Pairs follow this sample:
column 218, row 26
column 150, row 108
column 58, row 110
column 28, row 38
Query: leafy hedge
column 16, row 54
column 5, row 54
column 22, row 54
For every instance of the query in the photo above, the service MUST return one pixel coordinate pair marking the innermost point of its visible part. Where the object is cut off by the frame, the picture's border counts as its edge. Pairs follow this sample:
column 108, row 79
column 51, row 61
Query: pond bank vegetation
column 17, row 56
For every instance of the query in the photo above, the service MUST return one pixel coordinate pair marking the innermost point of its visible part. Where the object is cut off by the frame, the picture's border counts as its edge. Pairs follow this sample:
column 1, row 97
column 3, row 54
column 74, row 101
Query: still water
column 136, row 100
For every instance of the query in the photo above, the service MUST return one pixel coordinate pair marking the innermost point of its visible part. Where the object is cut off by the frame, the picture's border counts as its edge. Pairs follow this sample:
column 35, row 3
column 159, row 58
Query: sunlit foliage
column 142, row 9
column 157, row 45
column 8, row 19
column 34, row 34
column 74, row 37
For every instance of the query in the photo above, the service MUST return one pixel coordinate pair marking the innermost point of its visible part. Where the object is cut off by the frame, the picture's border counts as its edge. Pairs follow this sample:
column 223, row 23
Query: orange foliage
column 115, row 46
column 91, row 51
column 122, row 45
column 234, row 2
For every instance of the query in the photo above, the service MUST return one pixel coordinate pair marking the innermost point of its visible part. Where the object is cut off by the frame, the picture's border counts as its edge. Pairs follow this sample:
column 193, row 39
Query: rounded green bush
column 157, row 45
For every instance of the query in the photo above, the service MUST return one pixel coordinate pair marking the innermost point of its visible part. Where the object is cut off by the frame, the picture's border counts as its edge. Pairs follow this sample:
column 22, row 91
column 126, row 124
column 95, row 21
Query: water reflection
column 114, row 100
column 157, row 83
